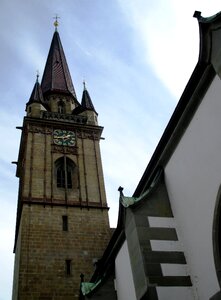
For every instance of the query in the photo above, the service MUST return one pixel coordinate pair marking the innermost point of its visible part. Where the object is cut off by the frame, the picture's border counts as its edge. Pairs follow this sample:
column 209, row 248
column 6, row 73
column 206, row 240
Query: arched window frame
column 64, row 171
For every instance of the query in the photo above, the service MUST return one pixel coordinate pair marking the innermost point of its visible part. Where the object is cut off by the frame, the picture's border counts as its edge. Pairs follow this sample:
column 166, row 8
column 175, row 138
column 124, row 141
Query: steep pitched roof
column 36, row 95
column 86, row 101
column 56, row 76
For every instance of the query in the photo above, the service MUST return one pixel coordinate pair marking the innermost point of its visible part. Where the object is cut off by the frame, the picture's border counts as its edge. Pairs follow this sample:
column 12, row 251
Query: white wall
column 124, row 279
column 193, row 176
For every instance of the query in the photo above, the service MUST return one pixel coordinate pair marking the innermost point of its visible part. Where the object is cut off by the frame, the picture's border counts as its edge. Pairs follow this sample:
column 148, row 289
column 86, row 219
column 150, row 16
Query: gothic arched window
column 61, row 107
column 64, row 172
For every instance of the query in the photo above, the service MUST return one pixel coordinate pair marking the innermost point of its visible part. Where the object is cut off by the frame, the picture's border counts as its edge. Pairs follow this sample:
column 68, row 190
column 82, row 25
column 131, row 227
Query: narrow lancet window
column 65, row 223
column 68, row 267
column 60, row 176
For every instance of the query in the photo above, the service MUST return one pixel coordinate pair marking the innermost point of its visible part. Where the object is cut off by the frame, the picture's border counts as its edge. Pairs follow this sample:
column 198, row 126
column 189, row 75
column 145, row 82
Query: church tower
column 62, row 223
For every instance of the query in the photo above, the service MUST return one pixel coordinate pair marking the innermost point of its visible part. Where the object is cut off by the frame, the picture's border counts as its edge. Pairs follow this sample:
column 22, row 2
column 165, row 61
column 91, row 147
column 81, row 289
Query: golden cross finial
column 56, row 22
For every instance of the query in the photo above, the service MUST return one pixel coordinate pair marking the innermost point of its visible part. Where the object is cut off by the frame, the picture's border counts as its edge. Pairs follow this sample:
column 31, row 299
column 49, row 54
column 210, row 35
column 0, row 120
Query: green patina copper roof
column 87, row 287
column 128, row 201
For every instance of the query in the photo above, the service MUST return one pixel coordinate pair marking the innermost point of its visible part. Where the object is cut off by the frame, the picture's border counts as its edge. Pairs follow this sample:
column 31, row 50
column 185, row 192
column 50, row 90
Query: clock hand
column 62, row 137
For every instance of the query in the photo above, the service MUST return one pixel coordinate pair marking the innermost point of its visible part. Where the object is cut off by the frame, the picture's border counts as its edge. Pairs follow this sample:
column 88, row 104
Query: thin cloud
column 170, row 36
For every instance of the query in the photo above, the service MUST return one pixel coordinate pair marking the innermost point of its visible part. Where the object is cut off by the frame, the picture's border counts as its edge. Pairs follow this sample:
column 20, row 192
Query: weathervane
column 56, row 22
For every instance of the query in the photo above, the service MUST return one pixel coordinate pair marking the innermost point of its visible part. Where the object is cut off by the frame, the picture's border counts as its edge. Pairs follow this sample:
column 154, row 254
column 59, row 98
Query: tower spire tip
column 56, row 23
column 84, row 84
column 37, row 75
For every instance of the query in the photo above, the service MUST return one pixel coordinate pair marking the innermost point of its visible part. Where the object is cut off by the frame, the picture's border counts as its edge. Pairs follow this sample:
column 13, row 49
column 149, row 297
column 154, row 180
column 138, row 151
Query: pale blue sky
column 136, row 57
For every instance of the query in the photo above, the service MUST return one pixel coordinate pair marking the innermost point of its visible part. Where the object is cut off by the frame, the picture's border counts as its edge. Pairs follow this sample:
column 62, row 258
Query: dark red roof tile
column 56, row 76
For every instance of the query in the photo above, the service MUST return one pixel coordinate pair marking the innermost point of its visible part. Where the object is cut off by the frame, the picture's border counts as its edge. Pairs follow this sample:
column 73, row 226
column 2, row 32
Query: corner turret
column 36, row 101
column 88, row 107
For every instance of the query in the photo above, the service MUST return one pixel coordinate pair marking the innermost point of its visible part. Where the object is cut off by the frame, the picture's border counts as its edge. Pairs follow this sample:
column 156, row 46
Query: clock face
column 64, row 137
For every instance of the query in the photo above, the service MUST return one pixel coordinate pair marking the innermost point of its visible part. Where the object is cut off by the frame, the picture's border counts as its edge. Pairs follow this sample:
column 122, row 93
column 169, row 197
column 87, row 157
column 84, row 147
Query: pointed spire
column 86, row 99
column 36, row 95
column 56, row 76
